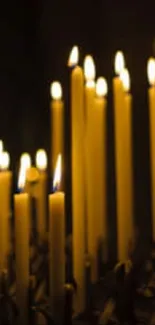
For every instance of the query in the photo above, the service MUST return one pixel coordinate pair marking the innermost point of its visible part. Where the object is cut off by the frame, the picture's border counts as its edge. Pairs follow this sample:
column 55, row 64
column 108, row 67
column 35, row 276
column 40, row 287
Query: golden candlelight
column 1, row 146
column 119, row 62
column 89, row 71
column 5, row 160
column 101, row 87
column 151, row 71
column 57, row 174
column 125, row 78
column 56, row 90
column 25, row 160
column 41, row 159
column 74, row 57
column 25, row 164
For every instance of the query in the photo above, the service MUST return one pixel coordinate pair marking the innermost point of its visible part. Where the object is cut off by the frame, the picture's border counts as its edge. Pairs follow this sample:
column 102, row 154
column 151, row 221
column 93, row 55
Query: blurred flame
column 89, row 68
column 56, row 90
column 57, row 174
column 25, row 164
column 5, row 160
column 119, row 62
column 101, row 87
column 41, row 159
column 74, row 57
column 125, row 77
column 25, row 160
column 151, row 71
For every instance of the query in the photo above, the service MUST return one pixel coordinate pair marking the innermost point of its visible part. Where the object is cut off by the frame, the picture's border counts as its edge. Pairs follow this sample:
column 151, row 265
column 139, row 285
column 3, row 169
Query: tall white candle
column 57, row 247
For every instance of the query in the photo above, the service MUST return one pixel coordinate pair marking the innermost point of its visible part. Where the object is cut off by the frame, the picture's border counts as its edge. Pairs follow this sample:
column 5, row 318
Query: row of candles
column 88, row 135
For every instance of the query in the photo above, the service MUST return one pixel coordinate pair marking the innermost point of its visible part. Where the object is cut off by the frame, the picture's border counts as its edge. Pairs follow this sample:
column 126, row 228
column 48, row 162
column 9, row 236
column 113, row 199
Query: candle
column 119, row 158
column 57, row 247
column 57, row 123
column 22, row 220
column 90, row 163
column 100, row 198
column 5, row 193
column 78, row 190
column 129, row 222
column 151, row 96
column 41, row 163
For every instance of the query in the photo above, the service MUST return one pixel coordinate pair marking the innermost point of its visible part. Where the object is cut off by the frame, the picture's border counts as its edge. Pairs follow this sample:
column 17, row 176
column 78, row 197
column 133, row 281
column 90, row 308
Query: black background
column 35, row 40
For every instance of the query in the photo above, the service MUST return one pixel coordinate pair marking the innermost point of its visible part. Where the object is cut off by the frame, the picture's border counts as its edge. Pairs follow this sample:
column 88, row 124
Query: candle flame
column 25, row 164
column 74, row 57
column 119, row 62
column 22, row 177
column 41, row 159
column 101, row 87
column 151, row 71
column 125, row 77
column 25, row 160
column 5, row 160
column 1, row 146
column 56, row 90
column 57, row 174
column 89, row 68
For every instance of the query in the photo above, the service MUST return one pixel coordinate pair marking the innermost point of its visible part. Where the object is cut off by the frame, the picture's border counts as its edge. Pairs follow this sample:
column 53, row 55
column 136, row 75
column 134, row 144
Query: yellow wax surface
column 78, row 181
column 128, row 155
column 22, row 222
column 100, row 159
column 151, row 95
column 57, row 254
column 5, row 198
column 57, row 125
column 120, row 168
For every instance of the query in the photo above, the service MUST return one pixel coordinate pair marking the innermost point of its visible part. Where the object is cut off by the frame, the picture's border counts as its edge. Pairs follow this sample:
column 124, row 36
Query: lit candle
column 41, row 163
column 57, row 247
column 151, row 96
column 119, row 158
column 5, row 196
column 99, row 142
column 78, row 190
column 22, row 224
column 57, row 123
column 90, row 165
column 128, row 157
column 25, row 164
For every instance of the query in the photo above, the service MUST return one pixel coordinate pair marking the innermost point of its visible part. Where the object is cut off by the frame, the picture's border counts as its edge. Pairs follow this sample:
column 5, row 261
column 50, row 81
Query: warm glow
column 119, row 62
column 56, row 90
column 151, row 71
column 125, row 77
column 25, row 160
column 57, row 174
column 41, row 159
column 74, row 57
column 21, row 177
column 5, row 160
column 89, row 68
column 1, row 145
column 101, row 87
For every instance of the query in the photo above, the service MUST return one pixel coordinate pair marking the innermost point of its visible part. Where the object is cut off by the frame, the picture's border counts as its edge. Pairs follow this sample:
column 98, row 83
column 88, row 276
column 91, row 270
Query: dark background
column 35, row 40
